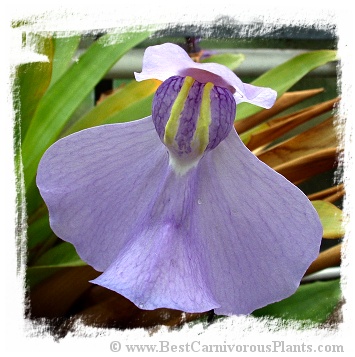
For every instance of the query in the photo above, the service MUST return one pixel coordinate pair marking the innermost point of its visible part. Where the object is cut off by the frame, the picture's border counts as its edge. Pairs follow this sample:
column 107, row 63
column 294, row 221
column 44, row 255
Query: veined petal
column 263, row 97
column 167, row 60
column 258, row 231
column 97, row 182
column 160, row 267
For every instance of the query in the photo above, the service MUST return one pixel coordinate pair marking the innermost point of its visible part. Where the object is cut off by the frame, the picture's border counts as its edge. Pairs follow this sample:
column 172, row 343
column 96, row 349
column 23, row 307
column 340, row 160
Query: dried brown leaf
column 321, row 136
column 330, row 194
column 328, row 258
column 286, row 101
column 69, row 294
column 335, row 197
column 106, row 308
column 283, row 125
column 55, row 296
column 313, row 110
column 305, row 167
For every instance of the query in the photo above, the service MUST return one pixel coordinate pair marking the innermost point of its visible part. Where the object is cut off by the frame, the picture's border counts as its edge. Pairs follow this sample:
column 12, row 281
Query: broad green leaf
column 120, row 100
column 284, row 76
column 331, row 218
column 312, row 302
column 66, row 94
column 64, row 50
column 32, row 80
column 61, row 255
column 230, row 60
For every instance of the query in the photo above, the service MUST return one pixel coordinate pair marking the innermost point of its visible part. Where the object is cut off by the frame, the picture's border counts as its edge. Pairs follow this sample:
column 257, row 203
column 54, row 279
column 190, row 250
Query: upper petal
column 258, row 231
column 97, row 182
column 164, row 61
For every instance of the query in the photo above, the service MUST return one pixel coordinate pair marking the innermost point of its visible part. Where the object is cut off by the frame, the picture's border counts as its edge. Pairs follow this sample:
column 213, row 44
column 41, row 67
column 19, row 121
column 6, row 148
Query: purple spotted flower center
column 192, row 117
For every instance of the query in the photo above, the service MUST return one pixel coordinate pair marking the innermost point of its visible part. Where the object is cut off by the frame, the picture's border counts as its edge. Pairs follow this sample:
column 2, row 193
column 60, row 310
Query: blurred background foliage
column 88, row 80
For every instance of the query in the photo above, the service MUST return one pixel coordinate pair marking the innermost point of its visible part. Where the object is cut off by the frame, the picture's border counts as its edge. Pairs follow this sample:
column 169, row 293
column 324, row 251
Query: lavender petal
column 258, row 231
column 164, row 61
column 97, row 182
column 161, row 267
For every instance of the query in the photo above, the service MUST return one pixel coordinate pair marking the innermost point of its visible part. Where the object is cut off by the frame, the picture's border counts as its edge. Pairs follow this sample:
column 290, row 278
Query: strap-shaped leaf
column 63, row 254
column 64, row 51
column 319, row 137
column 230, row 60
column 284, row 76
column 38, row 231
column 331, row 194
column 32, row 81
column 115, row 103
column 330, row 257
column 277, row 127
column 301, row 169
column 286, row 101
column 61, row 100
column 136, row 110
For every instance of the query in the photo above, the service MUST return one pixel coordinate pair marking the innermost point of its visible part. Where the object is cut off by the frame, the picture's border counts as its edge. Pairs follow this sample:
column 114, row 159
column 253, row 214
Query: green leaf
column 312, row 302
column 61, row 255
column 230, row 60
column 54, row 260
column 64, row 50
column 35, row 275
column 66, row 94
column 284, row 76
column 32, row 80
column 135, row 111
column 122, row 99
column 331, row 218
column 85, row 107
column 38, row 231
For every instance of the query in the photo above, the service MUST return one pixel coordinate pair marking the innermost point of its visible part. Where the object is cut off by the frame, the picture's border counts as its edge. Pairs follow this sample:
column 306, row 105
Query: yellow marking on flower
column 201, row 136
column 173, row 122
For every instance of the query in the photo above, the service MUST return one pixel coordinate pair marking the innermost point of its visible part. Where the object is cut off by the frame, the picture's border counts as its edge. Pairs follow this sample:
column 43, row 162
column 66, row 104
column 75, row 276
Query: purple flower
column 173, row 208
